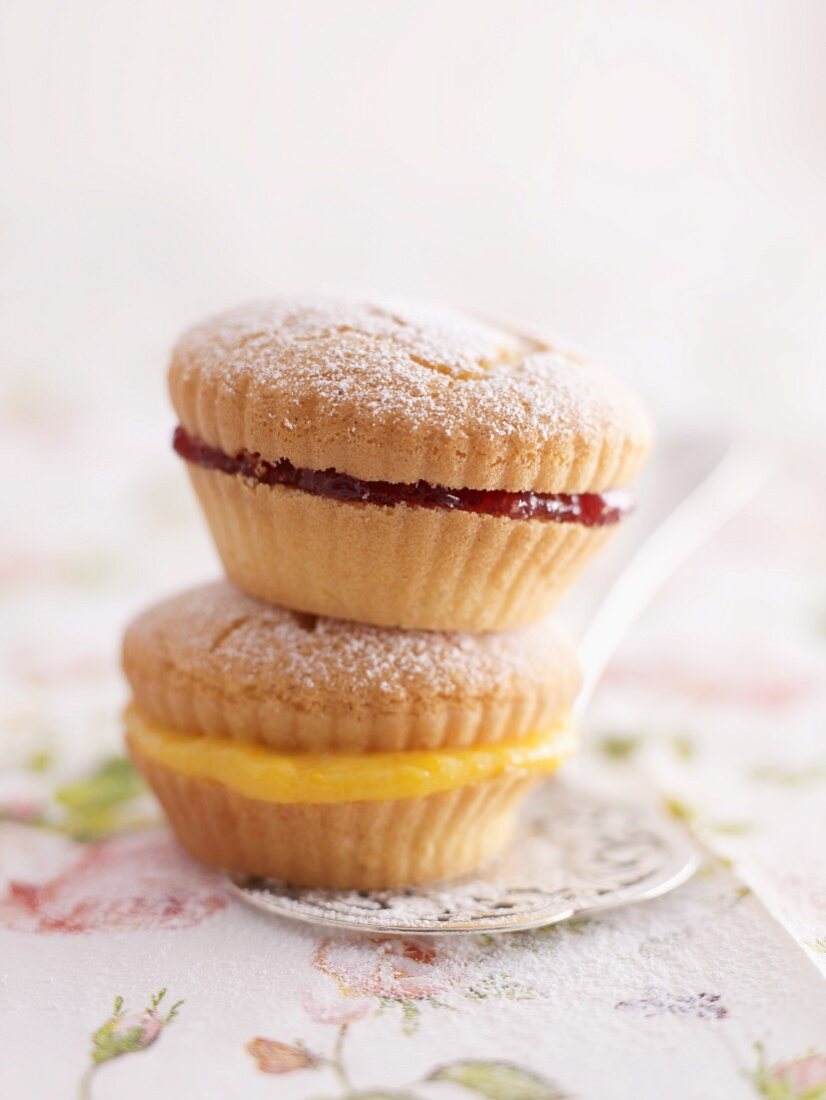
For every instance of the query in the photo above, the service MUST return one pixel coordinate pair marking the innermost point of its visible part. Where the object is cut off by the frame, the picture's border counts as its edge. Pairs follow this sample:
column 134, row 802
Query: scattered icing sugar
column 216, row 628
column 423, row 366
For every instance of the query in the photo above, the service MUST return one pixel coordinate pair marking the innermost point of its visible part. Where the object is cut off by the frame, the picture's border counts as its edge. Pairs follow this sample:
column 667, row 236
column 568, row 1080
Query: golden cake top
column 401, row 393
column 216, row 661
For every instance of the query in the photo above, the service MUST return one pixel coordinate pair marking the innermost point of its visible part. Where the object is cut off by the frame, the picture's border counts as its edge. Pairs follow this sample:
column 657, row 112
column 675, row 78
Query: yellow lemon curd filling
column 255, row 771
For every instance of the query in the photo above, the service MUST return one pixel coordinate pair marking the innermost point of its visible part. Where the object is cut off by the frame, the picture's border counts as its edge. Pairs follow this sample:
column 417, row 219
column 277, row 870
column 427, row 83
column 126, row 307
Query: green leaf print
column 99, row 804
column 115, row 781
column 618, row 747
column 498, row 1081
column 126, row 1033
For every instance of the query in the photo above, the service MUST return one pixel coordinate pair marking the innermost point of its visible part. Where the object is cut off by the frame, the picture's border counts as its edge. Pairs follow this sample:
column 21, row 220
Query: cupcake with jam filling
column 400, row 466
column 328, row 753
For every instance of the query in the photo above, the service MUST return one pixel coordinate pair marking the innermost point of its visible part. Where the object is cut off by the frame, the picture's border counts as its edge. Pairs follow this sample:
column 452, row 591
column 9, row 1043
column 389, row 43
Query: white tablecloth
column 717, row 703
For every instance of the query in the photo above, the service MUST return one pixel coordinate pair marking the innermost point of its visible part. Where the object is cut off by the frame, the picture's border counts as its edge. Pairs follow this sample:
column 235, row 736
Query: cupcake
column 327, row 753
column 400, row 466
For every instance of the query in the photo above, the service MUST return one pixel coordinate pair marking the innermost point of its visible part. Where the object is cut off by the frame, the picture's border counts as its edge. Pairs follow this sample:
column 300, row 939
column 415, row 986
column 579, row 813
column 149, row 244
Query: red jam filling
column 588, row 509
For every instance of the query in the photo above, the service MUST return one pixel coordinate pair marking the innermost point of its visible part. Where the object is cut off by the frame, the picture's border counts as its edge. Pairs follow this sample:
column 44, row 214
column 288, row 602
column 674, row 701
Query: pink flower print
column 39, row 667
column 144, row 1026
column 22, row 811
column 328, row 1011
column 126, row 1034
column 392, row 968
column 804, row 1075
column 32, row 855
column 135, row 881
column 274, row 1057
column 756, row 688
column 802, row 1078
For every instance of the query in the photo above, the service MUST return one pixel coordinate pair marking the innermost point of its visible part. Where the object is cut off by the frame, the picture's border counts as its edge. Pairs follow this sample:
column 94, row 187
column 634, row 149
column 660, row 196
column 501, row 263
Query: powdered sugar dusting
column 259, row 643
column 413, row 365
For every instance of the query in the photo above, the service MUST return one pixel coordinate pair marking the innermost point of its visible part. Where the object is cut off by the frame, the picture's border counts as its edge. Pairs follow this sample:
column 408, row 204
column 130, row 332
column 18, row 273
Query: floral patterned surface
column 127, row 970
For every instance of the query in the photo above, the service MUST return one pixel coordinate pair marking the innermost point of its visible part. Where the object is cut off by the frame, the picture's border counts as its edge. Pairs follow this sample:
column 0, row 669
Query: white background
column 644, row 178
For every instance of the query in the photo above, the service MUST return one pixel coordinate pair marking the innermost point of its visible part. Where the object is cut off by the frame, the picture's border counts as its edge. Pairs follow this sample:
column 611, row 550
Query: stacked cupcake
column 398, row 496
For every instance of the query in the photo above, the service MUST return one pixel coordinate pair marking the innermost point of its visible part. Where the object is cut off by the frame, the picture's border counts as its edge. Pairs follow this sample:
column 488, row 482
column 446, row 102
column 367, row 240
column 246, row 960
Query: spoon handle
column 706, row 480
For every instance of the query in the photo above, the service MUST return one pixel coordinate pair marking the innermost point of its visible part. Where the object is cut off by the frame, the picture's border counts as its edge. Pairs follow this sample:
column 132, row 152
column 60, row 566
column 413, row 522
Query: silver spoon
column 576, row 850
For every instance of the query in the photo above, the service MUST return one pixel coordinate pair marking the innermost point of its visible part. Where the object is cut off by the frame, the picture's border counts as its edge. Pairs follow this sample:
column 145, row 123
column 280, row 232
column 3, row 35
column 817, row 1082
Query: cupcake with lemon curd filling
column 336, row 754
column 400, row 466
